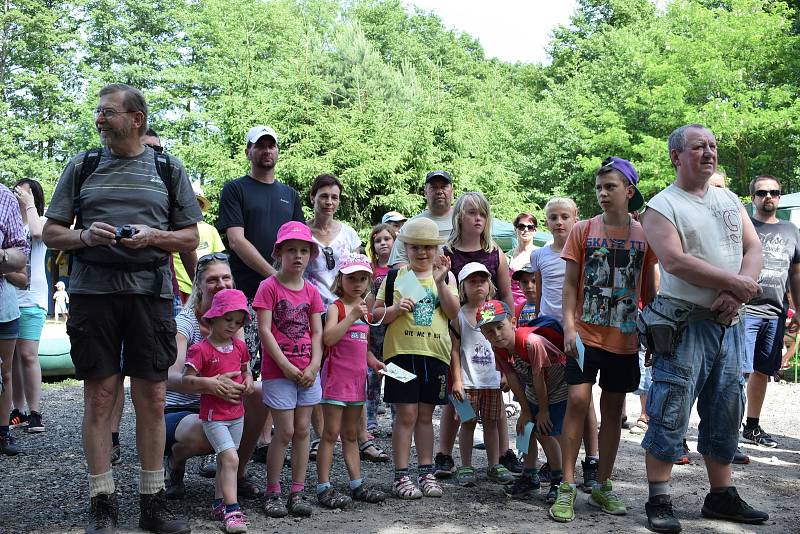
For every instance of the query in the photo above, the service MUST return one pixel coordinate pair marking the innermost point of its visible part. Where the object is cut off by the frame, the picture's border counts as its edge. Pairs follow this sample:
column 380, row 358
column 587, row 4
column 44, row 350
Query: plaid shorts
column 485, row 402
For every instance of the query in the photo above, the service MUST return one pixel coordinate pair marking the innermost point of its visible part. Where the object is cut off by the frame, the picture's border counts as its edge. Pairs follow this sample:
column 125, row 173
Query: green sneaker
column 500, row 475
column 604, row 498
column 563, row 510
column 465, row 475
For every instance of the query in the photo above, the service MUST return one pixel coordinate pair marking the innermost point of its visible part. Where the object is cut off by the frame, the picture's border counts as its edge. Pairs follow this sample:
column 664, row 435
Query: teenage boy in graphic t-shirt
column 608, row 265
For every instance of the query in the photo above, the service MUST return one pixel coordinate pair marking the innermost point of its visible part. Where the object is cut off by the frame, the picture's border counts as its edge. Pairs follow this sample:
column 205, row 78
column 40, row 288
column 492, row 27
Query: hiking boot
column 756, row 435
column 524, row 486
column 444, row 466
column 729, row 506
column 465, row 476
column 563, row 510
column 235, row 522
column 740, row 458
column 429, row 485
column 589, row 466
column 604, row 498
column 684, row 459
column 154, row 516
column 500, row 475
column 404, row 488
column 660, row 516
column 173, row 481
column 208, row 467
column 35, row 425
column 116, row 455
column 8, row 445
column 552, row 493
column 544, row 472
column 297, row 505
column 274, row 506
column 103, row 513
column 510, row 461
column 17, row 419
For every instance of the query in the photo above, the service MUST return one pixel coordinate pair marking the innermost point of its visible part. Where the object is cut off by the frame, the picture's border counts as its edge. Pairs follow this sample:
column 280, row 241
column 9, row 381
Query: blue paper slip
column 409, row 287
column 581, row 351
column 463, row 409
column 524, row 439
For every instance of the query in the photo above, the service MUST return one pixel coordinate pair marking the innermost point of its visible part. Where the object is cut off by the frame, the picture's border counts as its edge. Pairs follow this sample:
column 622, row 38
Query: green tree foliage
column 380, row 94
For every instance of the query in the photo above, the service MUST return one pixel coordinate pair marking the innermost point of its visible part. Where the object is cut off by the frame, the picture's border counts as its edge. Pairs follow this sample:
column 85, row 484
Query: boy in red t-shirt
column 609, row 264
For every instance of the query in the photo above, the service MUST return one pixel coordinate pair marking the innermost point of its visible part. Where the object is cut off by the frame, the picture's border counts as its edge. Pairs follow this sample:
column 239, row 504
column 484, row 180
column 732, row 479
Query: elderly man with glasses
column 121, row 218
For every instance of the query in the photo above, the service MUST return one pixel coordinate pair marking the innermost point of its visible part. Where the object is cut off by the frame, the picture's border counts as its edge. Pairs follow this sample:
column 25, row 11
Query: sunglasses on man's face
column 157, row 148
column 528, row 227
column 330, row 261
column 771, row 192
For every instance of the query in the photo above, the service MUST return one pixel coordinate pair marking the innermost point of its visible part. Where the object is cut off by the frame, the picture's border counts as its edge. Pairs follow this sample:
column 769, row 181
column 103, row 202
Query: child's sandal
column 332, row 498
column 369, row 495
column 404, row 488
column 379, row 456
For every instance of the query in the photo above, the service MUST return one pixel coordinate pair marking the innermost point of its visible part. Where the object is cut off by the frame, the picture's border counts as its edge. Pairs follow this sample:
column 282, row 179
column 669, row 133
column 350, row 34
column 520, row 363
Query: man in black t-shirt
column 251, row 209
column 766, row 313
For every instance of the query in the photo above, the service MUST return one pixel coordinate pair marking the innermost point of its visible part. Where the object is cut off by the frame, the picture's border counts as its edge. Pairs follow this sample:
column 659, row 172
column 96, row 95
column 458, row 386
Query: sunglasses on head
column 528, row 227
column 330, row 261
column 771, row 192
column 157, row 148
column 208, row 258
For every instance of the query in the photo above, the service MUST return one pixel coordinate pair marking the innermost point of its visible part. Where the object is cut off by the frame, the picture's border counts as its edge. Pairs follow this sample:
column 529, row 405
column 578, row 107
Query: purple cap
column 626, row 169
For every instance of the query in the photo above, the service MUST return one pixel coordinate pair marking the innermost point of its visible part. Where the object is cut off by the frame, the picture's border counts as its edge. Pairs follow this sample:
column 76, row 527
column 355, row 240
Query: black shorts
column 99, row 325
column 619, row 373
column 430, row 386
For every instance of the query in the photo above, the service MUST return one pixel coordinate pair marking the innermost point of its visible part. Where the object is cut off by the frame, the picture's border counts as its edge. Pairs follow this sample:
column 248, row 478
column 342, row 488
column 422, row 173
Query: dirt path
column 45, row 490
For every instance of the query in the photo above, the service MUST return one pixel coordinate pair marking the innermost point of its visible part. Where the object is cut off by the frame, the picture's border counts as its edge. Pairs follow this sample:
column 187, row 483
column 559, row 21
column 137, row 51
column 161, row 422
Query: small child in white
column 62, row 299
column 223, row 422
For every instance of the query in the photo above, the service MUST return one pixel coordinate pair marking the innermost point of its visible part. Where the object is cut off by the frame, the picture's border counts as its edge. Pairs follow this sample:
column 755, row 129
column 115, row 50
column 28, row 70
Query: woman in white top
column 32, row 294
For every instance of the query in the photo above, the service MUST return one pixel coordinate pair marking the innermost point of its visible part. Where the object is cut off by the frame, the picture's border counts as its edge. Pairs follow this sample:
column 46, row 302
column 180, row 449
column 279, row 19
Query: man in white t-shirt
column 439, row 198
column 710, row 259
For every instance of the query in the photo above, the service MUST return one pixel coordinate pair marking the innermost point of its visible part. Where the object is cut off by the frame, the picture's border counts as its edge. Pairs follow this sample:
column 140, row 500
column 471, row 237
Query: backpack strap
column 164, row 170
column 91, row 159
column 391, row 276
column 340, row 306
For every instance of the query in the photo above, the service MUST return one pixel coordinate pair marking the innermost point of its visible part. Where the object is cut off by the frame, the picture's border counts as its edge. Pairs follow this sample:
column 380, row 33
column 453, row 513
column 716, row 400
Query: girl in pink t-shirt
column 223, row 422
column 290, row 326
column 344, row 377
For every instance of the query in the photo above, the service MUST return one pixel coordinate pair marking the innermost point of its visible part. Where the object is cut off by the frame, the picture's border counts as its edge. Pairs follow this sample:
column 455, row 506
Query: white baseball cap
column 257, row 132
column 472, row 268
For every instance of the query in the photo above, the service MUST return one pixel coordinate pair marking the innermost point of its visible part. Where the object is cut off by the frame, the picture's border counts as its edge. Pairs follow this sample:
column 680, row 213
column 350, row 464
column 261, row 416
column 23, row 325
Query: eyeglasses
column 528, row 227
column 771, row 192
column 158, row 149
column 109, row 113
column 330, row 260
column 208, row 258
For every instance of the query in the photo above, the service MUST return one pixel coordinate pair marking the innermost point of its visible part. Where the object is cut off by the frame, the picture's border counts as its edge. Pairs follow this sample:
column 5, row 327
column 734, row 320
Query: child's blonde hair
column 462, row 295
column 562, row 202
column 378, row 228
column 338, row 290
column 469, row 200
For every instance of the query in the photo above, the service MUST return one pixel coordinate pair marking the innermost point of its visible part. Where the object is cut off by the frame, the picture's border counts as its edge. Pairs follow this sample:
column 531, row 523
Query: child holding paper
column 344, row 381
column 475, row 376
column 609, row 263
column 417, row 341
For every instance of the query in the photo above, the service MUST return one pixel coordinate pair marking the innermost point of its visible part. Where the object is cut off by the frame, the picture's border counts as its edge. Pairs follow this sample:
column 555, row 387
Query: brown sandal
column 378, row 457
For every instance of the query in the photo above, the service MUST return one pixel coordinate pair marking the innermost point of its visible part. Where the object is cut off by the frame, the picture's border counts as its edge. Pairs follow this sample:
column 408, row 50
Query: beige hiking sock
column 151, row 482
column 101, row 484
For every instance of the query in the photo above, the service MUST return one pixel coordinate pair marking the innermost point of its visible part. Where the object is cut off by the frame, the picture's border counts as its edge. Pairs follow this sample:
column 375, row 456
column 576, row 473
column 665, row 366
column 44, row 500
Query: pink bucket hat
column 295, row 230
column 352, row 263
column 228, row 300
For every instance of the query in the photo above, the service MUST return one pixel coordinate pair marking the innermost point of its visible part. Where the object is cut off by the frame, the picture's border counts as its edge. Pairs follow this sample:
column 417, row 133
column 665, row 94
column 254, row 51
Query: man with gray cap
column 439, row 198
column 251, row 209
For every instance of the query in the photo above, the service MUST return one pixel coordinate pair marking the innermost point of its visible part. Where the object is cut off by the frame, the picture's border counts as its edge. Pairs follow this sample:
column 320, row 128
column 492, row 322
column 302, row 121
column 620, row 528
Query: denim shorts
column 557, row 412
column 645, row 376
column 764, row 344
column 706, row 367
column 31, row 323
column 9, row 329
column 285, row 394
column 171, row 422
column 224, row 435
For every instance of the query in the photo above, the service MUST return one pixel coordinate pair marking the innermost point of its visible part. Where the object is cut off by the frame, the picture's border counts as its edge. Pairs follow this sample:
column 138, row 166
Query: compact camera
column 124, row 232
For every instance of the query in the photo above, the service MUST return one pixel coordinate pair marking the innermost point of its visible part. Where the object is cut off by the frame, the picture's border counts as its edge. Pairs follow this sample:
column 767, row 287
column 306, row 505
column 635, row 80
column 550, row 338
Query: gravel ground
column 45, row 490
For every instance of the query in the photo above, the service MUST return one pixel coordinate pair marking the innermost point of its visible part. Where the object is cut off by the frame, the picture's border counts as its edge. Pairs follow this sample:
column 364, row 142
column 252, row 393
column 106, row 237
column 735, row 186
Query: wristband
column 80, row 236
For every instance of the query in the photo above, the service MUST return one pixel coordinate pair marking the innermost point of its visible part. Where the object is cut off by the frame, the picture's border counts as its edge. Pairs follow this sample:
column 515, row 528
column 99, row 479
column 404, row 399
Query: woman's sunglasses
column 330, row 260
column 528, row 227
column 208, row 258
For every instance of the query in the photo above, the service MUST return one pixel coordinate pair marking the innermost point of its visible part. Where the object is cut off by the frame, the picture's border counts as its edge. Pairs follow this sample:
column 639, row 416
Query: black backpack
column 91, row 159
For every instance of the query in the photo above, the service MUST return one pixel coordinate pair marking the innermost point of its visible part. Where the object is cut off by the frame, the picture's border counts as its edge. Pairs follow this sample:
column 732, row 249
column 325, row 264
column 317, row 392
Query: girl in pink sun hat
column 223, row 422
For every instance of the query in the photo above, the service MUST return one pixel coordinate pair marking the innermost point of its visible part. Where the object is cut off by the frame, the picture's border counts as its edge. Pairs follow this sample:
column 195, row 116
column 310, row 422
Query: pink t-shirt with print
column 291, row 322
column 207, row 360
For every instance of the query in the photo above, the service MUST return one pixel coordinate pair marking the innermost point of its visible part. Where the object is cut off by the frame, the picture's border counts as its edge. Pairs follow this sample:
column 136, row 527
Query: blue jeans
column 764, row 344
column 706, row 367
